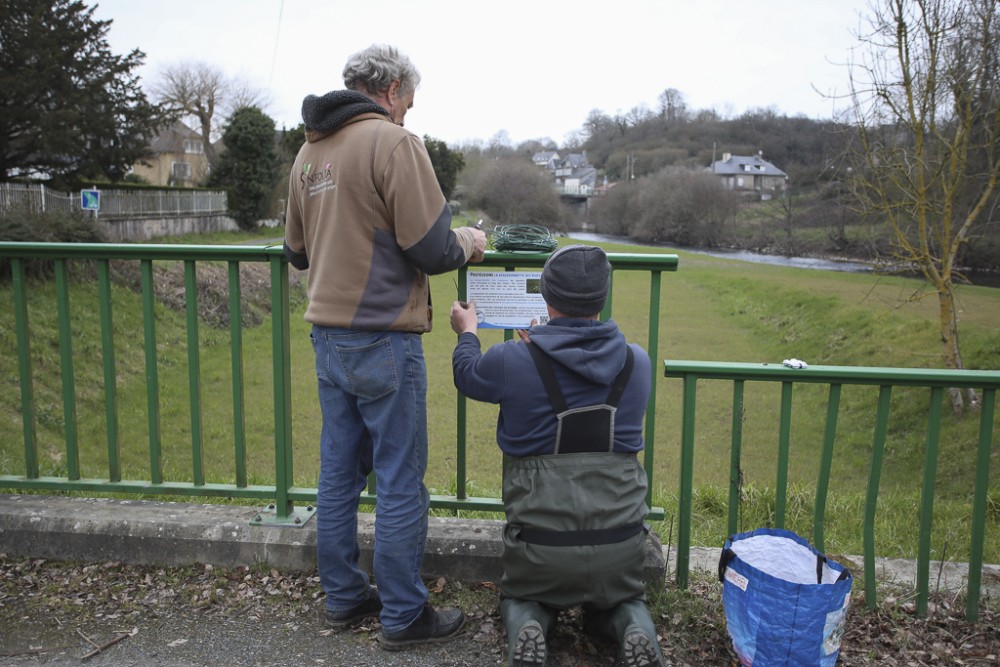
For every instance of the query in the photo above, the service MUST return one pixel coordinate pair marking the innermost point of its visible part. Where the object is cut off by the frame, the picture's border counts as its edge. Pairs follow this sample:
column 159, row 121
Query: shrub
column 61, row 227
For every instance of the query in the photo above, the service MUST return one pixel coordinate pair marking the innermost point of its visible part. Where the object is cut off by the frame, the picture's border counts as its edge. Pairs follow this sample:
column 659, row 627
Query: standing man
column 572, row 402
column 367, row 217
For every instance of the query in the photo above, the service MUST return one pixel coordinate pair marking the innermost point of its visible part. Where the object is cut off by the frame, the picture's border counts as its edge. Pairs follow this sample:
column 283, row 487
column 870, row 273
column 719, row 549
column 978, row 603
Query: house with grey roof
column 546, row 159
column 749, row 173
column 178, row 157
column 572, row 175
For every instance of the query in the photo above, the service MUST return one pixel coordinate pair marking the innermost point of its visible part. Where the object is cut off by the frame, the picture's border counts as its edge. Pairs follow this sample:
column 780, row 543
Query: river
column 981, row 279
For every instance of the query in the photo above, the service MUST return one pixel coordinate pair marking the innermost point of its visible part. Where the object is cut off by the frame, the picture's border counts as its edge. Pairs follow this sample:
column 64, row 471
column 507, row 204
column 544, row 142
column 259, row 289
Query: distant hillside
column 664, row 155
column 801, row 147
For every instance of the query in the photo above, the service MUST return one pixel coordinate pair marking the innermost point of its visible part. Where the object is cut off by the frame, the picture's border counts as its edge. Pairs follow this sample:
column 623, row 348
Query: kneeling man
column 572, row 399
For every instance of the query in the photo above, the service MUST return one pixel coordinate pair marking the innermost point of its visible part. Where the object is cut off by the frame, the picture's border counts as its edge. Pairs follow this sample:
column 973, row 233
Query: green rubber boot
column 527, row 624
column 631, row 626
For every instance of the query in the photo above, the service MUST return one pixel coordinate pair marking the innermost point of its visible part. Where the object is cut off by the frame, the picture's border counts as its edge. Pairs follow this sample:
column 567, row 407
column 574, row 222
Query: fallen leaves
column 690, row 623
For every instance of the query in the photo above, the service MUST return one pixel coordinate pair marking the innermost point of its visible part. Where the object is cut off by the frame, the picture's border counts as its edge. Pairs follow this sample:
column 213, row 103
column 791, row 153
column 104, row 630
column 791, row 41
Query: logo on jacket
column 317, row 181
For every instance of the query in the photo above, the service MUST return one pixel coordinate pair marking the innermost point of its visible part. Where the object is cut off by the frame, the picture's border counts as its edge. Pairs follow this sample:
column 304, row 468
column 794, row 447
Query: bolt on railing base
column 297, row 518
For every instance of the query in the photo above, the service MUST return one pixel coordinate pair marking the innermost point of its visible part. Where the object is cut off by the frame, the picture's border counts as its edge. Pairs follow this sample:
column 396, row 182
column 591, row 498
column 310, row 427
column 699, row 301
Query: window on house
column 193, row 146
column 746, row 167
column 180, row 171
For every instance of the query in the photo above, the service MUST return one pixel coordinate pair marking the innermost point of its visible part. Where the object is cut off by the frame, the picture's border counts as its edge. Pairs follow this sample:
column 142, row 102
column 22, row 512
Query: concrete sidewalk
column 181, row 534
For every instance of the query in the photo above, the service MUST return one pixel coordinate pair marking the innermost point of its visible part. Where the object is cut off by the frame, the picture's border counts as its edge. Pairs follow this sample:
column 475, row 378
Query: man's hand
column 463, row 317
column 523, row 333
column 479, row 245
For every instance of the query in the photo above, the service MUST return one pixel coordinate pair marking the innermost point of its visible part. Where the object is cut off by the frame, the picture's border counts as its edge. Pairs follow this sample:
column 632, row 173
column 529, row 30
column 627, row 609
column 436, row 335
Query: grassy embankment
column 712, row 309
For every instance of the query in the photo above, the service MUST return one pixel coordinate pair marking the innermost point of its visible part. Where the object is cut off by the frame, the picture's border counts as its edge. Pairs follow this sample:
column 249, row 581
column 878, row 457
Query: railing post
column 927, row 498
column 66, row 370
column 871, row 496
column 236, row 360
column 152, row 374
column 110, row 374
column 280, row 346
column 194, row 371
column 24, row 368
column 826, row 464
column 982, row 488
column 684, row 505
column 652, row 346
column 735, row 460
column 784, row 444
column 461, row 414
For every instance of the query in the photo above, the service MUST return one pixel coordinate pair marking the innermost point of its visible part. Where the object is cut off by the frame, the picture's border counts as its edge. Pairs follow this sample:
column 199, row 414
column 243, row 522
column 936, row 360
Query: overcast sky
column 533, row 68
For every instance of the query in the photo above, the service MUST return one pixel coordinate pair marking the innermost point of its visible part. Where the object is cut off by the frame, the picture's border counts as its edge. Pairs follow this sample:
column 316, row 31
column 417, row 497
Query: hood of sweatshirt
column 324, row 114
column 593, row 349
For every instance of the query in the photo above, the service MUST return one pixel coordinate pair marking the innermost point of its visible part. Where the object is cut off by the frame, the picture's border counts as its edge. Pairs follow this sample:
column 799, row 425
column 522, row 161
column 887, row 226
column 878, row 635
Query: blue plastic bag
column 785, row 603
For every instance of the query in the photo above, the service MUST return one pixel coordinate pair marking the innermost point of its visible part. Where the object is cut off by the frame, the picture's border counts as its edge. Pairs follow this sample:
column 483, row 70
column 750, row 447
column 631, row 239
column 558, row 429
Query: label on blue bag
column 736, row 579
column 833, row 629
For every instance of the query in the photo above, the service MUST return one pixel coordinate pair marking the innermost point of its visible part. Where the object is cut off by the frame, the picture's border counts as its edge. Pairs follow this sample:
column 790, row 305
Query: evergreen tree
column 447, row 164
column 248, row 167
column 70, row 109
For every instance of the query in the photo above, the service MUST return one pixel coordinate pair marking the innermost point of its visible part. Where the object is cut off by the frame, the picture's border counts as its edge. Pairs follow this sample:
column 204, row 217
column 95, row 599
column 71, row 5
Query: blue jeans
column 373, row 394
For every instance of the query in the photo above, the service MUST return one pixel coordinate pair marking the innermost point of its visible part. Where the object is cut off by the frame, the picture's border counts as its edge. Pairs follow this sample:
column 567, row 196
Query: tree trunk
column 206, row 138
column 960, row 398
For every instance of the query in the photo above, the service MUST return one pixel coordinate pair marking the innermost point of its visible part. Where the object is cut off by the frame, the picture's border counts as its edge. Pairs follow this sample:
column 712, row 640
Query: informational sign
column 506, row 299
column 90, row 200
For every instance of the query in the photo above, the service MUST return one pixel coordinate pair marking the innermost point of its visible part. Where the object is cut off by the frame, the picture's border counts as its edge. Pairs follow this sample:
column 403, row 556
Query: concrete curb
column 178, row 534
column 954, row 577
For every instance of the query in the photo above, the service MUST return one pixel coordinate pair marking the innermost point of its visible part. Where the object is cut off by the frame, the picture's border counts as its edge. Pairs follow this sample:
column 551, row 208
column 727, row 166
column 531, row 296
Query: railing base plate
column 297, row 518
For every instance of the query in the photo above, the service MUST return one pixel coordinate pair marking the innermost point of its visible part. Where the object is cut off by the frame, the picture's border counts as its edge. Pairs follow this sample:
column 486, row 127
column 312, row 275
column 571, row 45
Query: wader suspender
column 577, row 442
column 577, row 436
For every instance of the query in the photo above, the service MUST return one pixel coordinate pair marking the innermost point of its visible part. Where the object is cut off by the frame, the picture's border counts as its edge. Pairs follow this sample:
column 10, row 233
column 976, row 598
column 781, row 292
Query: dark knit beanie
column 575, row 280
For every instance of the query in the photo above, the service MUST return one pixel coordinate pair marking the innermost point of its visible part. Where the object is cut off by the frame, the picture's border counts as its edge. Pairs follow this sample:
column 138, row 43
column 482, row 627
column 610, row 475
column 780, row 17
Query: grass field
column 712, row 309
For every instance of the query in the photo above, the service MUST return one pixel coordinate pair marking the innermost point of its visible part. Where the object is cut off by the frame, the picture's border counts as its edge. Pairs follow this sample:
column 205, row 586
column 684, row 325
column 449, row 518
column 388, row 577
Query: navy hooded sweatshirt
column 587, row 355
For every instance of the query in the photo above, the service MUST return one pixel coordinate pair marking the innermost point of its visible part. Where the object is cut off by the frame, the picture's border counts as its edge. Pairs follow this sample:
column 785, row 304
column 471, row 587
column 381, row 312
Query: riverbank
column 818, row 261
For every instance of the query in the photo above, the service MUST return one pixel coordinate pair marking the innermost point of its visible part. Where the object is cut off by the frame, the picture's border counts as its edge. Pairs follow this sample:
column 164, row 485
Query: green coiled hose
column 522, row 238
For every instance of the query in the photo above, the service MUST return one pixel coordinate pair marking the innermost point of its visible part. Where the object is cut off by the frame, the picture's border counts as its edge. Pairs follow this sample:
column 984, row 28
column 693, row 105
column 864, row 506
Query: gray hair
column 375, row 68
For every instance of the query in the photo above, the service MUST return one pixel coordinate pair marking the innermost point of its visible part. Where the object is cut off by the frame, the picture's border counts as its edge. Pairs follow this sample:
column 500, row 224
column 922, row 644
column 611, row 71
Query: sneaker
column 430, row 627
column 340, row 620
column 529, row 647
column 639, row 649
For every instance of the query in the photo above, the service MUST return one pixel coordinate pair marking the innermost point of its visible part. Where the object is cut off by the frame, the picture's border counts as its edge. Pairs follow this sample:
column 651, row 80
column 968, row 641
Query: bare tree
column 500, row 144
column 672, row 106
column 206, row 94
column 637, row 115
column 925, row 99
column 621, row 122
column 597, row 124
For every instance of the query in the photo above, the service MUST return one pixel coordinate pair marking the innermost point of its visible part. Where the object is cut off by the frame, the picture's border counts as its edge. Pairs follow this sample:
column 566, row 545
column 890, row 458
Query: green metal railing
column 283, row 494
column 937, row 382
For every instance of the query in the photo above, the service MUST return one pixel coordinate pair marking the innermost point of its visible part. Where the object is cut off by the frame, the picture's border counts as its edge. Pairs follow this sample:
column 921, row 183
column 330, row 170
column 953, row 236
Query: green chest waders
column 575, row 530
